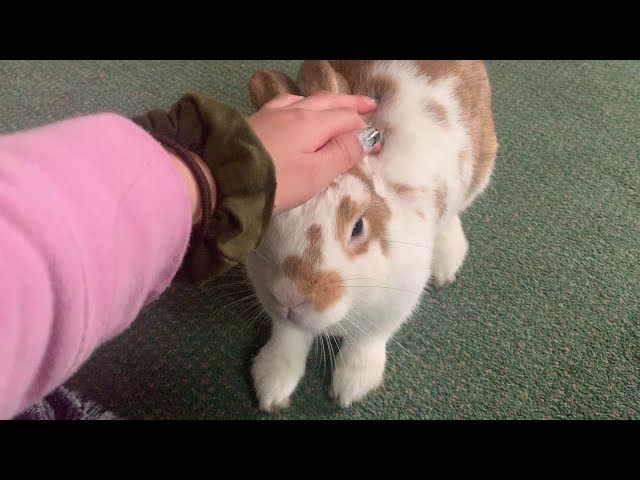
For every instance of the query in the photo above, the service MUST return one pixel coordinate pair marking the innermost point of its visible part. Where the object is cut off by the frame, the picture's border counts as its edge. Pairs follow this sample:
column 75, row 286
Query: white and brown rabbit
column 353, row 261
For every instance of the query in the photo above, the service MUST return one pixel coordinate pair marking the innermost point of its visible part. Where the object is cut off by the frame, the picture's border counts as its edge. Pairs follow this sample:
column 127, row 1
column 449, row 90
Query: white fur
column 280, row 365
column 381, row 293
column 450, row 250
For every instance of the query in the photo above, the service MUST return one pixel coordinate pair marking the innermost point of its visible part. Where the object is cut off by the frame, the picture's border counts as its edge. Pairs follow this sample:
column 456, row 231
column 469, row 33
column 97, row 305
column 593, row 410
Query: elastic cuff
column 242, row 170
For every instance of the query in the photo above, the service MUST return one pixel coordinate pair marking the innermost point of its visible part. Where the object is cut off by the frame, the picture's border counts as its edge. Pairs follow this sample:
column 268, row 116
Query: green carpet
column 542, row 323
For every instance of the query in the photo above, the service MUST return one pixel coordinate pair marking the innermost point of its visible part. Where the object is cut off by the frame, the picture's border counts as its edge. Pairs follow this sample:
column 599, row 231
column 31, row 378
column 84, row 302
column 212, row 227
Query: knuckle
column 352, row 118
column 343, row 152
column 289, row 97
column 302, row 115
column 281, row 98
column 313, row 175
column 348, row 115
column 360, row 124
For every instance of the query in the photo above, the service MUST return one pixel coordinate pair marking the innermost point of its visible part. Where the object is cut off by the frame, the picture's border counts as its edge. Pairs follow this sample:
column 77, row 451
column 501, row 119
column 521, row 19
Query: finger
column 329, row 100
column 281, row 101
column 343, row 152
column 327, row 124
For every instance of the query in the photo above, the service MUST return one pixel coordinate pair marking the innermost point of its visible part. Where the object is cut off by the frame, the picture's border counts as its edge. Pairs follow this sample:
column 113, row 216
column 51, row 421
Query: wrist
column 191, row 184
column 202, row 131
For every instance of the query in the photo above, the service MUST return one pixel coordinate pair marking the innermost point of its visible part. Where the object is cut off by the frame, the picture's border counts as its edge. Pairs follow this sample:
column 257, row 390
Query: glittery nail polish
column 369, row 138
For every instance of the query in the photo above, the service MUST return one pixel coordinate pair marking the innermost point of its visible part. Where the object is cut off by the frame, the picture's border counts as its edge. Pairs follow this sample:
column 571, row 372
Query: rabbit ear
column 267, row 84
column 317, row 75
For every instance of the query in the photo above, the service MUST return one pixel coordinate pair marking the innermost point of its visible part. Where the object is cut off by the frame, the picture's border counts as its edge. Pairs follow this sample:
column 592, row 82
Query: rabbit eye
column 357, row 229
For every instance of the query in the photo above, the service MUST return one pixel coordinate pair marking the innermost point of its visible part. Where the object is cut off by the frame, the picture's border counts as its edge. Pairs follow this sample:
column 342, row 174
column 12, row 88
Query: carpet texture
column 543, row 322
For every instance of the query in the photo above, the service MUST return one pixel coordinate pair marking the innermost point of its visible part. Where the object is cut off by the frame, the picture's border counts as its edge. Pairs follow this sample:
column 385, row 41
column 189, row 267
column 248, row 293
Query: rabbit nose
column 287, row 294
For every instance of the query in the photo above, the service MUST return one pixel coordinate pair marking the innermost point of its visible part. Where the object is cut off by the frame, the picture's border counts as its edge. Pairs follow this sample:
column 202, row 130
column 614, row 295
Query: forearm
column 95, row 219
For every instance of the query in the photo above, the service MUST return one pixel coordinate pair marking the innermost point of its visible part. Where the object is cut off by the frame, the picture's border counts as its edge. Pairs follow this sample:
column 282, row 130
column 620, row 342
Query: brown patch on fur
column 376, row 215
column 474, row 95
column 473, row 91
column 320, row 286
column 326, row 290
column 314, row 250
column 402, row 189
column 439, row 69
column 421, row 215
column 441, row 198
column 407, row 192
column 359, row 173
column 439, row 112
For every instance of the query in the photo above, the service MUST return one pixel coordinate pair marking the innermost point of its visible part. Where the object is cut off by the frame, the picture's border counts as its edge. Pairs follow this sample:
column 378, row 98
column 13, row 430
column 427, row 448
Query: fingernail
column 369, row 138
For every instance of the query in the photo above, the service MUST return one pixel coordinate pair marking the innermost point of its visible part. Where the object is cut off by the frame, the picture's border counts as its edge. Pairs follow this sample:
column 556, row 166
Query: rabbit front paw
column 276, row 375
column 358, row 373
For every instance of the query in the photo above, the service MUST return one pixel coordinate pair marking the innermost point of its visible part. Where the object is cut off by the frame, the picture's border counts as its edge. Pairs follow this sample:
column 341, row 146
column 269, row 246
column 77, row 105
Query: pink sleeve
column 94, row 222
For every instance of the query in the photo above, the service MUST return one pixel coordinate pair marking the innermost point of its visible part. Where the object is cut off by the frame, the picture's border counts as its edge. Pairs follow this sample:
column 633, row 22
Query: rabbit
column 353, row 261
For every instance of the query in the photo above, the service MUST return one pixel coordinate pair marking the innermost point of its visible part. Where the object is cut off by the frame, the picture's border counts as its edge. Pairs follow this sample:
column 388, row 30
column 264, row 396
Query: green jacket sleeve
column 243, row 172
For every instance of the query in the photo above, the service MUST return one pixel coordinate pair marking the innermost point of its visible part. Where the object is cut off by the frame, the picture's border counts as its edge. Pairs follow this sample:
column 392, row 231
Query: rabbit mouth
column 298, row 312
column 285, row 314
column 295, row 318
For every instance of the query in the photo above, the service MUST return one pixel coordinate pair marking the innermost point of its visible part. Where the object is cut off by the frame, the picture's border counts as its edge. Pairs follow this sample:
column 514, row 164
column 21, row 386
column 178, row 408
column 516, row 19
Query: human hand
column 256, row 166
column 312, row 140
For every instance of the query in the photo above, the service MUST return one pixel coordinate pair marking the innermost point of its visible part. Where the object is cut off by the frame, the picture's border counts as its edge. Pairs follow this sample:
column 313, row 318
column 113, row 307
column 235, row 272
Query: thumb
column 343, row 152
